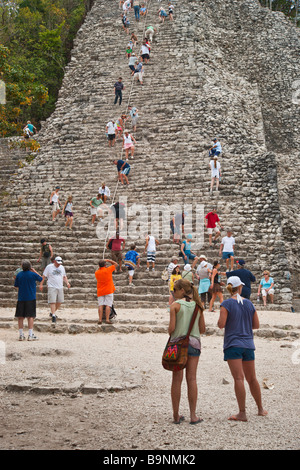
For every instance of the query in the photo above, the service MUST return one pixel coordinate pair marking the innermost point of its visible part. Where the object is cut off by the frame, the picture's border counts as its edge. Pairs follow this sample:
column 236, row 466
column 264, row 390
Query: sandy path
column 139, row 415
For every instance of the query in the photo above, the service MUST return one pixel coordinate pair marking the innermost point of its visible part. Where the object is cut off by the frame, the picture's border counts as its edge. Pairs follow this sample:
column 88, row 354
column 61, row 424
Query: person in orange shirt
column 105, row 288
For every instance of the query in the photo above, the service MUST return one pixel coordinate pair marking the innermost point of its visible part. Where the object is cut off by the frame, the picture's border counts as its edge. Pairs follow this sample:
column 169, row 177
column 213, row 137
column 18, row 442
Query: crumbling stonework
column 222, row 68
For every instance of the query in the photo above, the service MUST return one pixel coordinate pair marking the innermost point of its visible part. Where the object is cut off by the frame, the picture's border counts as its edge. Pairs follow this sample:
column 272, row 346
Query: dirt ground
column 108, row 390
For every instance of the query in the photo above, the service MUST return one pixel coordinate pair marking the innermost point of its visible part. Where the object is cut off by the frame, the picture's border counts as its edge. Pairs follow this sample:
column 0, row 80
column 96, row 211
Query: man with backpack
column 105, row 288
column 46, row 254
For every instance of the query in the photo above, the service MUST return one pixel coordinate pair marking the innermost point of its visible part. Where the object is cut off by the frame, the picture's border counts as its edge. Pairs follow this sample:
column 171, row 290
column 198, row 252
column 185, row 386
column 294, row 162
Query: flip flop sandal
column 196, row 422
column 181, row 418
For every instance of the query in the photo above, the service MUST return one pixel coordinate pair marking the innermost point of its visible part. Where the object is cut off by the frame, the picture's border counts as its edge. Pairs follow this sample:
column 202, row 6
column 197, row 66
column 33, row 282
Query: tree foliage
column 290, row 8
column 35, row 43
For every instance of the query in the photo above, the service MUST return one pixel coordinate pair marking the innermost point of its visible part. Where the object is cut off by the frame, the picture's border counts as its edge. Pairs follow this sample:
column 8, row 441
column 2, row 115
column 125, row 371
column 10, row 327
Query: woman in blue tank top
column 239, row 317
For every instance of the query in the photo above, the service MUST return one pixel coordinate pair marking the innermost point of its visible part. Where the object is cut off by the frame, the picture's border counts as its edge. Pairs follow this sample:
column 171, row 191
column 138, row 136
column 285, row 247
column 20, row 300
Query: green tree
column 23, row 92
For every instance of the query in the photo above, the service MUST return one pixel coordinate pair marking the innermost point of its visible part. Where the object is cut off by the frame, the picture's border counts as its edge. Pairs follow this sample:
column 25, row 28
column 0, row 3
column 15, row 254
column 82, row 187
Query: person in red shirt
column 116, row 245
column 211, row 221
column 105, row 288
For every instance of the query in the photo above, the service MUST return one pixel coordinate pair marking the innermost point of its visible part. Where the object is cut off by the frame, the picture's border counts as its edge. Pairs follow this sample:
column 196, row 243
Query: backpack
column 165, row 275
column 113, row 313
column 46, row 251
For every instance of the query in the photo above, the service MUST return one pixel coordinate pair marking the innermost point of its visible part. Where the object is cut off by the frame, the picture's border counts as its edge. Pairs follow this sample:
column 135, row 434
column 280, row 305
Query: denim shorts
column 227, row 254
column 239, row 353
column 193, row 351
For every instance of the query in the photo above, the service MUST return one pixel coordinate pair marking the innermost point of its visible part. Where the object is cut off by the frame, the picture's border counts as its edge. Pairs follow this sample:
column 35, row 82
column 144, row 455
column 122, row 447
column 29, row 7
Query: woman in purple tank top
column 239, row 317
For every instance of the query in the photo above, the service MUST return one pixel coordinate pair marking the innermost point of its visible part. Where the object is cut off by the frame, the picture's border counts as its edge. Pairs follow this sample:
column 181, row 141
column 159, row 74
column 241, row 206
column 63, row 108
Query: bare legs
column 107, row 313
column 177, row 378
column 54, row 307
column 231, row 263
column 240, row 370
column 213, row 298
column 69, row 221
column 212, row 184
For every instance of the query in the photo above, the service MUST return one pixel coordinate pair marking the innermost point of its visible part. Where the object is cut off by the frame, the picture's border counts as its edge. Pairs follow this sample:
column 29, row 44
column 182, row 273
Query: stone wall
column 213, row 71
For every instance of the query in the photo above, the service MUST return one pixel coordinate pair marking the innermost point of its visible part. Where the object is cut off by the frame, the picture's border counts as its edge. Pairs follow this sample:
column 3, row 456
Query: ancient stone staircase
column 189, row 96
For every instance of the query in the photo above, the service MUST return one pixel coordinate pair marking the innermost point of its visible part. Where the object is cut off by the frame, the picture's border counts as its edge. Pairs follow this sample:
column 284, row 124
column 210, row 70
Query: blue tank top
column 238, row 328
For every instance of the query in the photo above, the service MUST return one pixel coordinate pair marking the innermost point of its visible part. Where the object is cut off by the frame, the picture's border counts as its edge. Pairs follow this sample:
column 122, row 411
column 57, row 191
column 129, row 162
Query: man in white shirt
column 227, row 249
column 127, row 5
column 111, row 133
column 132, row 61
column 105, row 192
column 150, row 247
column 56, row 275
column 216, row 149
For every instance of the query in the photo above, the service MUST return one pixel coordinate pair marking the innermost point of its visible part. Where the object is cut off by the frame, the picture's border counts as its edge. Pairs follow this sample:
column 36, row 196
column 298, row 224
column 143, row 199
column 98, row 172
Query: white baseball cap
column 58, row 259
column 235, row 281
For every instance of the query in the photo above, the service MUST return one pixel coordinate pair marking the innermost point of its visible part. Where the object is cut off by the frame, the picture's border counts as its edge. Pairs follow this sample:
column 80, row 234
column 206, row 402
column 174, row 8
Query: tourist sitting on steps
column 185, row 251
column 266, row 287
column 216, row 149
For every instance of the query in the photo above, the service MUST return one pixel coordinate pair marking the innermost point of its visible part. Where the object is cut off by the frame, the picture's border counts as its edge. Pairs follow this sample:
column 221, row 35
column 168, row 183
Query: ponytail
column 232, row 290
column 196, row 298
column 191, row 292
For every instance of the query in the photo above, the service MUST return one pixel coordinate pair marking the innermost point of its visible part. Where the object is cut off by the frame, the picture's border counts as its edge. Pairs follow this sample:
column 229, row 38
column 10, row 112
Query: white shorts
column 106, row 300
column 264, row 293
column 55, row 207
column 210, row 230
column 94, row 210
column 55, row 295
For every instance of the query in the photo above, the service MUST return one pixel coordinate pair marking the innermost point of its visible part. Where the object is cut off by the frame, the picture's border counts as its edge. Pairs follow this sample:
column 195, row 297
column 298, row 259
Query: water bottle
column 258, row 299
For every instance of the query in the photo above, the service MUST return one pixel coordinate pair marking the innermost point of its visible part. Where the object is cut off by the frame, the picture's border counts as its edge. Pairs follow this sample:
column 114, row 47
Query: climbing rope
column 128, row 104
